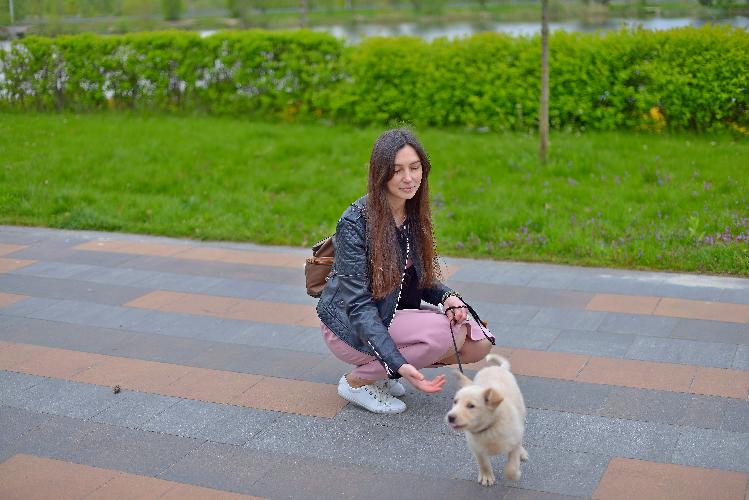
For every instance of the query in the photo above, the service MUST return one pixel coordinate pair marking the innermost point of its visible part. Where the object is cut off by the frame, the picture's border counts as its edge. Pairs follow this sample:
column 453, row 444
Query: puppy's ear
column 462, row 379
column 492, row 398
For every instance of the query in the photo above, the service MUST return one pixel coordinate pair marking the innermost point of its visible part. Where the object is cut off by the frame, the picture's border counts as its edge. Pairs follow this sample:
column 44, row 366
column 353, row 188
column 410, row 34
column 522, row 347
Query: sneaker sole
column 387, row 412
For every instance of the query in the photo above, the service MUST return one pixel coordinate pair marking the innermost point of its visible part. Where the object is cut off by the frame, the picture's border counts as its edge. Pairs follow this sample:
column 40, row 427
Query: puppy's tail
column 496, row 359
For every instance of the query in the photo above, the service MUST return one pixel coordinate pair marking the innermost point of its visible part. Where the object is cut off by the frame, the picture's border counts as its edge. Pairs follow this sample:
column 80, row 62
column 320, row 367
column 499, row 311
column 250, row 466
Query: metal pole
column 10, row 4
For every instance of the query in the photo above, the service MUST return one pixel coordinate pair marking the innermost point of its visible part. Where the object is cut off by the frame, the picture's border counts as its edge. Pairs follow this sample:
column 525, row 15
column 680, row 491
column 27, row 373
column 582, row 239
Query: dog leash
column 481, row 324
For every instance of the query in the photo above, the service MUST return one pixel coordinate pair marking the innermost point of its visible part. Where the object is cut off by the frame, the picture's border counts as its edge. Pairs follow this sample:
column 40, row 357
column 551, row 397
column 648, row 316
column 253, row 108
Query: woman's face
column 407, row 178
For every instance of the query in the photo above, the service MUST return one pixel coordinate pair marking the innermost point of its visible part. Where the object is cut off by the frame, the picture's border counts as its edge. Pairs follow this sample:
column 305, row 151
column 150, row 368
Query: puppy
column 491, row 412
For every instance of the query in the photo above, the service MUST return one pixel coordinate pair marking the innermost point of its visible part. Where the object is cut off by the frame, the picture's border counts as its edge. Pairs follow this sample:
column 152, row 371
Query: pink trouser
column 421, row 335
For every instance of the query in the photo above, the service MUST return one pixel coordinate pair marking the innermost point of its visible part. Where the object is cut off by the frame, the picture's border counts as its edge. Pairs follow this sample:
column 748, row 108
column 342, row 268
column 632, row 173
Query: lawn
column 647, row 201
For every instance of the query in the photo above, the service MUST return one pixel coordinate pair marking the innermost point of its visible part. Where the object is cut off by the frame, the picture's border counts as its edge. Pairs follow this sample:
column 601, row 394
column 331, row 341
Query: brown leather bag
column 317, row 268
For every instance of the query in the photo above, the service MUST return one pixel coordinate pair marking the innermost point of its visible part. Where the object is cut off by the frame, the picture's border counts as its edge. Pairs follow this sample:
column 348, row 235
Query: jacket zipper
column 403, row 275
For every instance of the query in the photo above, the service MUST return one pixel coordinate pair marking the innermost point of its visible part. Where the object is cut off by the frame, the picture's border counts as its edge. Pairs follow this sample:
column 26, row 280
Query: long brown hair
column 385, row 266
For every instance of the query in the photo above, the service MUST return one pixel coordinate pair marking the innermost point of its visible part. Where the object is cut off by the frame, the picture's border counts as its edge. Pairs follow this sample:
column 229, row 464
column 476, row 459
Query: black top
column 410, row 293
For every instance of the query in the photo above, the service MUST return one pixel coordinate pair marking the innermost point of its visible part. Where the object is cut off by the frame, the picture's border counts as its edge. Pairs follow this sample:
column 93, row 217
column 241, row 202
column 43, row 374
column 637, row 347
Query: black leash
column 452, row 333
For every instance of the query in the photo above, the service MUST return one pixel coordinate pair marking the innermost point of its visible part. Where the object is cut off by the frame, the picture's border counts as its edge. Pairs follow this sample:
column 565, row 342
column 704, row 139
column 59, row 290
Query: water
column 354, row 33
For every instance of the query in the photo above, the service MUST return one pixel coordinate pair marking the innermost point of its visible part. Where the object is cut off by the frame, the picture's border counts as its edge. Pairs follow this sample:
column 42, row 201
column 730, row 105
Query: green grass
column 622, row 200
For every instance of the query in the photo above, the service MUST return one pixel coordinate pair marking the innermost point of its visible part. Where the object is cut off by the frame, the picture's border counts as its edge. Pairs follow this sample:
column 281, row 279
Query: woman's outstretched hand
column 416, row 379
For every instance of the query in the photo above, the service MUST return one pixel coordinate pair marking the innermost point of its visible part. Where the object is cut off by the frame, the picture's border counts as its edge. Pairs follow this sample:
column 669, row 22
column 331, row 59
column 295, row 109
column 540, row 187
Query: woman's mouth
column 409, row 189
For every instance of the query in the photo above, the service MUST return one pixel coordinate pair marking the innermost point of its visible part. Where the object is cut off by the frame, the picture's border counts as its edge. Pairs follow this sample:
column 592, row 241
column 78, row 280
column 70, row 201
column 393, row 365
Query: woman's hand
column 456, row 315
column 416, row 379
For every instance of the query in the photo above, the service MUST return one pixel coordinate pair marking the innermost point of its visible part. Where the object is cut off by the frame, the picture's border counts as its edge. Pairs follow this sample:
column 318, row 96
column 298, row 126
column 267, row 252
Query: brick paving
column 636, row 382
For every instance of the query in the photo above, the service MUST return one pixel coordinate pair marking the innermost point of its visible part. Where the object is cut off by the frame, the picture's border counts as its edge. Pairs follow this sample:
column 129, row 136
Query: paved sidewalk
column 636, row 382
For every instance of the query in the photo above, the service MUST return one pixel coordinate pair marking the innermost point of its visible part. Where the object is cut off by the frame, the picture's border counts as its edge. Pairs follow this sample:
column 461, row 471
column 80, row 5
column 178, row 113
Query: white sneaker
column 371, row 397
column 394, row 387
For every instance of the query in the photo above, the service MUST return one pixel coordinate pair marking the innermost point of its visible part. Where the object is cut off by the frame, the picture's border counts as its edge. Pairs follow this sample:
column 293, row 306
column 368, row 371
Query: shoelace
column 379, row 395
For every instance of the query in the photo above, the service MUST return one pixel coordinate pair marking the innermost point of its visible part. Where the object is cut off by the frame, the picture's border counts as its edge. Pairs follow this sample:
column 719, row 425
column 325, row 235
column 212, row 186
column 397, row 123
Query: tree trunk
column 303, row 14
column 543, row 112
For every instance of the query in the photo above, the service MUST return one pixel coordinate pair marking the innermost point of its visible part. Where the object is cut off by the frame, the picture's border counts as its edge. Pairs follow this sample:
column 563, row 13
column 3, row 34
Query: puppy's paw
column 523, row 454
column 487, row 479
column 511, row 473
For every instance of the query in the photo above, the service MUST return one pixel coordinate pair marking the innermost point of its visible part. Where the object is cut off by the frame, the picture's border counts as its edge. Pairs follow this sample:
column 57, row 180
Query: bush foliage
column 682, row 79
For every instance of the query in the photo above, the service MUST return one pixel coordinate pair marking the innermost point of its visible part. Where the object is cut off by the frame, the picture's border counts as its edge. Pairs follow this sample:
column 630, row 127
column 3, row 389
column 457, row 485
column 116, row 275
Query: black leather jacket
column 347, row 306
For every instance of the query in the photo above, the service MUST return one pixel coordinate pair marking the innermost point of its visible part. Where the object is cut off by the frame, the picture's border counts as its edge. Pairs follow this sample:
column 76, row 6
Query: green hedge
column 681, row 79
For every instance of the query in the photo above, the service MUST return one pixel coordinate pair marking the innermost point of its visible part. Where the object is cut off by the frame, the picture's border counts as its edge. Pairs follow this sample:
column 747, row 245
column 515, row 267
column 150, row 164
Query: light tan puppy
column 491, row 412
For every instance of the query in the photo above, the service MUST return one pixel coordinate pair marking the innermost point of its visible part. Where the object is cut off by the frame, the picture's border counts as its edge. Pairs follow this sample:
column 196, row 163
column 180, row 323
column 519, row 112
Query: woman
column 385, row 265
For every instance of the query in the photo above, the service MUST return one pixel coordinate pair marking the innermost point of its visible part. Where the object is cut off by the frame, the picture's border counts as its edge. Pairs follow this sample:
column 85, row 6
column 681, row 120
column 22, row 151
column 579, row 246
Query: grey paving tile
column 560, row 471
column 682, row 352
column 297, row 478
column 15, row 422
column 665, row 407
column 690, row 292
column 504, row 314
column 712, row 331
column 62, row 335
column 28, row 307
column 586, row 433
column 741, row 360
column 739, row 295
column 52, row 269
column 592, row 343
column 55, row 437
column 209, row 421
column 162, row 348
column 183, row 325
column 524, row 336
column 12, row 384
column 328, row 371
column 177, row 282
column 54, row 288
column 292, row 294
column 112, row 276
column 563, row 395
column 239, row 288
column 257, row 360
column 62, row 397
column 520, row 494
column 568, row 319
column 735, row 416
column 222, row 466
column 11, row 235
column 713, row 449
column 131, row 409
column 413, row 451
column 129, row 450
column 96, row 258
column 636, row 324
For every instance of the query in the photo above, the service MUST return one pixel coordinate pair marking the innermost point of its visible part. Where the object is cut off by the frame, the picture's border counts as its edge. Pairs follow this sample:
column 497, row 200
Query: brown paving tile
column 211, row 385
column 293, row 396
column 274, row 312
column 206, row 305
column 449, row 271
column 628, row 479
column 700, row 309
column 51, row 363
column 8, row 265
column 126, row 486
column 505, row 352
column 190, row 492
column 631, row 304
column 29, row 477
column 153, row 249
column 7, row 299
column 638, row 374
column 156, row 300
column 547, row 364
column 566, row 299
column 5, row 249
column 135, row 374
column 14, row 354
column 273, row 259
column 721, row 382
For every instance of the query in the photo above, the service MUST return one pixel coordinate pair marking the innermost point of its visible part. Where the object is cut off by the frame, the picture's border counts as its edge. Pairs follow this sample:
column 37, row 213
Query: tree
column 543, row 112
column 172, row 9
